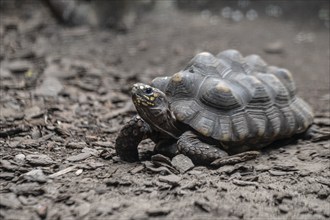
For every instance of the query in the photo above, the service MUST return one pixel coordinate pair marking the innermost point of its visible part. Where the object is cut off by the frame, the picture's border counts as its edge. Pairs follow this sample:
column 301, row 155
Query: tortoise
column 217, row 105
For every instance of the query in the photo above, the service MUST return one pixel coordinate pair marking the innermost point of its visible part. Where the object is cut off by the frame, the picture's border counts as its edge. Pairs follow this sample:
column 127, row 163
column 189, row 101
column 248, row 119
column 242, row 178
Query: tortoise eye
column 148, row 90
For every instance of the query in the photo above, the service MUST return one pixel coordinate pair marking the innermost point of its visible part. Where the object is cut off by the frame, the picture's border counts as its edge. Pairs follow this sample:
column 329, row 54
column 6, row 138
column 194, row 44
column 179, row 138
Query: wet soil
column 65, row 96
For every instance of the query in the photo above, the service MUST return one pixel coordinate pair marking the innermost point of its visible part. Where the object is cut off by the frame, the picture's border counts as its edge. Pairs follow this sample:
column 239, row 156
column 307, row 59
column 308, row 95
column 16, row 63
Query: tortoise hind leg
column 199, row 152
column 129, row 138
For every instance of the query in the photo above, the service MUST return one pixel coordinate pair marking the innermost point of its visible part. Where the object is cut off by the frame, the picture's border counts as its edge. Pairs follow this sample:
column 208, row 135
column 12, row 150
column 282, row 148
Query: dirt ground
column 65, row 96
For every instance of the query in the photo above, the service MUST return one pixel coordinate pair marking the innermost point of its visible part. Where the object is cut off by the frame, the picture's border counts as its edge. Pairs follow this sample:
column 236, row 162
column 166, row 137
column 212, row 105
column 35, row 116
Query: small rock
column 323, row 193
column 32, row 112
column 19, row 66
column 35, row 176
column 274, row 47
column 78, row 172
column 203, row 205
column 42, row 210
column 280, row 196
column 79, row 157
column 284, row 208
column 261, row 167
column 50, row 87
column 182, row 163
column 228, row 169
column 35, row 133
column 137, row 169
column 20, row 158
column 170, row 179
column 82, row 210
column 91, row 151
column 39, row 159
column 9, row 200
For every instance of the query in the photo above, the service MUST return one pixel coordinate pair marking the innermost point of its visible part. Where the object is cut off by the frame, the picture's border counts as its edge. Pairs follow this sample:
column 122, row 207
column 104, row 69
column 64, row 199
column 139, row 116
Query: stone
column 49, row 87
column 35, row 175
column 39, row 159
column 182, row 163
column 79, row 157
column 170, row 179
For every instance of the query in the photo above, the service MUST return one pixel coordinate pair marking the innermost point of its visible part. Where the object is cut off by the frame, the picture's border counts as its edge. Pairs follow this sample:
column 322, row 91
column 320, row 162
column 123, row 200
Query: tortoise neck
column 162, row 120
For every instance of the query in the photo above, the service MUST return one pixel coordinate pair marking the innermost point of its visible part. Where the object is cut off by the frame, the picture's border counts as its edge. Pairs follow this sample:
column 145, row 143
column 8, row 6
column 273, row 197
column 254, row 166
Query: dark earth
column 65, row 96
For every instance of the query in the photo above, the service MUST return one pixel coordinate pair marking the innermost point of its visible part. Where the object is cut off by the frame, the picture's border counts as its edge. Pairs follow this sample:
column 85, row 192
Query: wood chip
column 244, row 183
column 64, row 171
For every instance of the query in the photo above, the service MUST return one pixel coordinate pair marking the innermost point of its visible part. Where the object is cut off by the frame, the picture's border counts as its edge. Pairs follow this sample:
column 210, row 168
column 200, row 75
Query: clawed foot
column 316, row 134
column 237, row 158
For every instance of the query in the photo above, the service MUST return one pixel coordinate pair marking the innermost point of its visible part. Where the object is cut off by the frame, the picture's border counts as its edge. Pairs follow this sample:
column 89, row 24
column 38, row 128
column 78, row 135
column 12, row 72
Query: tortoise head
column 153, row 106
column 145, row 96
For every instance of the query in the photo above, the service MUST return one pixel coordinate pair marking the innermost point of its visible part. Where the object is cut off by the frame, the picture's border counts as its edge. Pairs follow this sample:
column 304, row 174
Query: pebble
column 284, row 208
column 49, row 87
column 78, row 172
column 35, row 175
column 170, row 179
column 262, row 167
column 137, row 169
column 274, row 47
column 39, row 159
column 79, row 157
column 42, row 210
column 182, row 163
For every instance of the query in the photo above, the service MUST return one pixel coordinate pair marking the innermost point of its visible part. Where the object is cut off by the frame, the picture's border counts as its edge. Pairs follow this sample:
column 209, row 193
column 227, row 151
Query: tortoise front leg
column 199, row 152
column 129, row 138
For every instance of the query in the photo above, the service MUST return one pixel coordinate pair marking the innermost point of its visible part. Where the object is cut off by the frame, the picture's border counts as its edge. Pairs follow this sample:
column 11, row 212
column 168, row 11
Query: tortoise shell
column 236, row 99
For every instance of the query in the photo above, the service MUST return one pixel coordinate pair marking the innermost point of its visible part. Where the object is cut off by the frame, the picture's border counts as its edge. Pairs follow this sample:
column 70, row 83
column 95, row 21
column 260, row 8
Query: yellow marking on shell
column 256, row 81
column 177, row 77
column 260, row 132
column 242, row 136
column 306, row 124
column 222, row 87
column 288, row 74
column 204, row 131
column 225, row 137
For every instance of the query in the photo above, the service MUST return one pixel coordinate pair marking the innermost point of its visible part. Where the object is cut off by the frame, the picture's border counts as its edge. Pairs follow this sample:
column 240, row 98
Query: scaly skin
column 129, row 138
column 199, row 152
